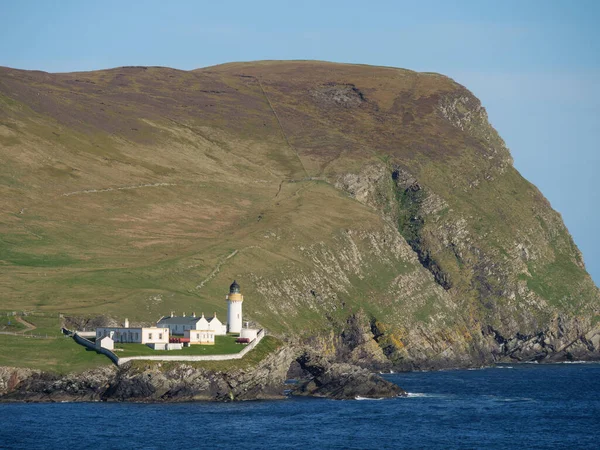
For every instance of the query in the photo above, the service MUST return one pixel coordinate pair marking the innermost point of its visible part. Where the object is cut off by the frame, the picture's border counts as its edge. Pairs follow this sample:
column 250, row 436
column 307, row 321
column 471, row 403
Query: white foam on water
column 518, row 399
column 423, row 395
column 576, row 362
column 358, row 397
column 415, row 394
column 496, row 398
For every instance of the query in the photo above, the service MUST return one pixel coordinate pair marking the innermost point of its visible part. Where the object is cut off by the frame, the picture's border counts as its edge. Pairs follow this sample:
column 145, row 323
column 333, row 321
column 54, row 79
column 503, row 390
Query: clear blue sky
column 535, row 64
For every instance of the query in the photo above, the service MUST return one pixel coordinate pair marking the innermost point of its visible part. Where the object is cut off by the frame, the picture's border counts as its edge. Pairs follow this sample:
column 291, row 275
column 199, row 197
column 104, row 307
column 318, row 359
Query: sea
column 531, row 406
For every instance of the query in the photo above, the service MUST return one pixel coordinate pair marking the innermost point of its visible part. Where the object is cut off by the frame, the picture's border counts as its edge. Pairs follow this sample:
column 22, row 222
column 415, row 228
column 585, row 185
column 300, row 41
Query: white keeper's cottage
column 142, row 335
column 179, row 325
column 172, row 330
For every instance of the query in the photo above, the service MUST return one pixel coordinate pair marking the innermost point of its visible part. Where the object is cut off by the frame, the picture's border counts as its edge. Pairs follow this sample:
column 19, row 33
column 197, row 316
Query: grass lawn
column 61, row 355
column 45, row 325
column 268, row 345
column 9, row 323
column 224, row 345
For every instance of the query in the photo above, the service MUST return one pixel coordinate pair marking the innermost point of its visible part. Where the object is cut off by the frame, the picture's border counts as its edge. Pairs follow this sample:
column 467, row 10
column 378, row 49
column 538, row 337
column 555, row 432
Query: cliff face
column 261, row 375
column 370, row 212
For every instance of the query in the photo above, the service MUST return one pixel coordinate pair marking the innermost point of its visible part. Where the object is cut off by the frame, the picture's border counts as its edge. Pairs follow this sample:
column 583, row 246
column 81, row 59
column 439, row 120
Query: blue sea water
column 519, row 406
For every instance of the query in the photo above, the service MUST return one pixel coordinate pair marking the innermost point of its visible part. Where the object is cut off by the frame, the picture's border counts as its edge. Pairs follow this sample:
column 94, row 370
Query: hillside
column 373, row 212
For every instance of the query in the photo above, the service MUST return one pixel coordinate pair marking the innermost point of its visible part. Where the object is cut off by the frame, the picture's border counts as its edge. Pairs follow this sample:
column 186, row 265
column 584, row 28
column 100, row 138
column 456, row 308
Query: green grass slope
column 325, row 189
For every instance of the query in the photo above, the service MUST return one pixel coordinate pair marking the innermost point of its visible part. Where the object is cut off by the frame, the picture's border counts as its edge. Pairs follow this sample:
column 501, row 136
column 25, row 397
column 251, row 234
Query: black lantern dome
column 234, row 288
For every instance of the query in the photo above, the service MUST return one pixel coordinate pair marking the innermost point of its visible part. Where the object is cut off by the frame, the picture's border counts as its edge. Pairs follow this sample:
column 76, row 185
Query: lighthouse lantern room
column 234, row 308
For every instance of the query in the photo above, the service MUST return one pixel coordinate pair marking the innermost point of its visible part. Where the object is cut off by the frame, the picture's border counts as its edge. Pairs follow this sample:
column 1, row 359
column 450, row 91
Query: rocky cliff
column 371, row 213
column 261, row 375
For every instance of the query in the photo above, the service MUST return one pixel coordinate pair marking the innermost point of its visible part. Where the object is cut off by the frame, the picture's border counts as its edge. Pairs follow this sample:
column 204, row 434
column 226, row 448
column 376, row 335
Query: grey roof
column 175, row 320
column 178, row 320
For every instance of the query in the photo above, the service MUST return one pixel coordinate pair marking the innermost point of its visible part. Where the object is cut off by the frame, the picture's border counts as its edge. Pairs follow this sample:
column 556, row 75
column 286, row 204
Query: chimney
column 171, row 313
column 183, row 314
column 215, row 314
column 203, row 315
column 193, row 314
column 126, row 323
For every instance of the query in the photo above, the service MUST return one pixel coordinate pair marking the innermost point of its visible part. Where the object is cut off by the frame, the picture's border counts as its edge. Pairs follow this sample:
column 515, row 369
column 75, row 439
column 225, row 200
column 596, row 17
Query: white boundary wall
column 120, row 361
column 83, row 341
column 239, row 355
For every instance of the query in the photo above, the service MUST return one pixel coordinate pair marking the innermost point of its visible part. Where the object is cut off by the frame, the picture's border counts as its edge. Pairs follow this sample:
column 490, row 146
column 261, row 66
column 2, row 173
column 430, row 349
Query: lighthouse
column 234, row 308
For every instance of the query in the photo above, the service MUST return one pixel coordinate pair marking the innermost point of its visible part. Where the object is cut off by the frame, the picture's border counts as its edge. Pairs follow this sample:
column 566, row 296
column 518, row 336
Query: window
column 149, row 335
column 238, row 316
column 197, row 336
column 159, row 335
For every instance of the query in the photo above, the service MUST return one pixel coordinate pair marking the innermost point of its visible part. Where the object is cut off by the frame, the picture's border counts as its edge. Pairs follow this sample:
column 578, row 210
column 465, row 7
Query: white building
column 170, row 346
column 144, row 335
column 202, row 337
column 234, row 308
column 249, row 333
column 199, row 330
column 179, row 325
column 105, row 342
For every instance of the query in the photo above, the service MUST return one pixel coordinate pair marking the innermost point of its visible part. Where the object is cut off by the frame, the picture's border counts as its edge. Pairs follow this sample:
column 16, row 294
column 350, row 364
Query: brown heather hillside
column 370, row 211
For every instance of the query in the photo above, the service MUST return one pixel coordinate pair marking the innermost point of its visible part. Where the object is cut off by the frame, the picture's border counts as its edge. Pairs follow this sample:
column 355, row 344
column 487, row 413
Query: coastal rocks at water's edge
column 341, row 380
column 37, row 386
column 176, row 382
column 337, row 366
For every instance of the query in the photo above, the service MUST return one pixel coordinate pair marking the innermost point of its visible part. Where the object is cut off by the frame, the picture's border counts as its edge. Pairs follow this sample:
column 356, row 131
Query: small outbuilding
column 248, row 333
column 106, row 342
column 202, row 337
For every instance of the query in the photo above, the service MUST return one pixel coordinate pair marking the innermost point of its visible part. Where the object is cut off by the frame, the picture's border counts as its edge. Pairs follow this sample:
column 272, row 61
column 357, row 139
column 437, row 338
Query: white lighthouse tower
column 234, row 308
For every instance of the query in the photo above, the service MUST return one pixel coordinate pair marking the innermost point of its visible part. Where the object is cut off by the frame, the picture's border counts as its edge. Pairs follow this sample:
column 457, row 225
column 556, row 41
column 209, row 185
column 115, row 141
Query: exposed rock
column 391, row 227
column 40, row 386
column 185, row 382
column 88, row 323
column 176, row 382
column 11, row 377
column 342, row 381
column 346, row 95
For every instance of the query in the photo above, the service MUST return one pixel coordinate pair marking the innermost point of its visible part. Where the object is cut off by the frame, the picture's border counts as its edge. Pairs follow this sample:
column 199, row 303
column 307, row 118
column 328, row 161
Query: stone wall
column 120, row 361
column 89, row 344
column 239, row 355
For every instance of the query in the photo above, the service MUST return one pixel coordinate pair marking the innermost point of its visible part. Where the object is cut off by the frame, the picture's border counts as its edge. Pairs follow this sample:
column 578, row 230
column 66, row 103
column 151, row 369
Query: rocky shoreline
column 289, row 371
column 338, row 366
column 182, row 382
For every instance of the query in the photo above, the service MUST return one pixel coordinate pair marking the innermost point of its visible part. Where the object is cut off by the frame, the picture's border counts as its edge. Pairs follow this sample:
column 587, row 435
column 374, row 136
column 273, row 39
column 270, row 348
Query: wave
column 576, row 362
column 358, row 397
column 424, row 395
column 415, row 394
column 495, row 398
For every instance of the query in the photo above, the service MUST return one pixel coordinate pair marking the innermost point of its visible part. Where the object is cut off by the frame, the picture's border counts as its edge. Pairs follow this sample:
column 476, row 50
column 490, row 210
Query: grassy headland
column 136, row 191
